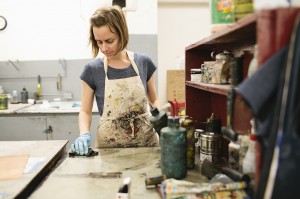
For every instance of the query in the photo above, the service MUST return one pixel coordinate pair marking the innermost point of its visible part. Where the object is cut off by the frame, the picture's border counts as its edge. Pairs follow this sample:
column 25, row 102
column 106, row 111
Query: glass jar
column 3, row 102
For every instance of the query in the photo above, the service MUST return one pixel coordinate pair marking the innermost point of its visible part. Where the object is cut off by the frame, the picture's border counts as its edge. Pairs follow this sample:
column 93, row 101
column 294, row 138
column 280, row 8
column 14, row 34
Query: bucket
column 210, row 147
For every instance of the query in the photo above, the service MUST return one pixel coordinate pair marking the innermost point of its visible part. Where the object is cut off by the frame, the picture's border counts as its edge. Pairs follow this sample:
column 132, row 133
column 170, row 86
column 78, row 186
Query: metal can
column 210, row 147
column 3, row 102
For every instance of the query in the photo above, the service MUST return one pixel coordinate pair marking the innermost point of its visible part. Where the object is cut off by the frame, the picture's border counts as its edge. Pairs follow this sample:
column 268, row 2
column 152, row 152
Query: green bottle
column 173, row 149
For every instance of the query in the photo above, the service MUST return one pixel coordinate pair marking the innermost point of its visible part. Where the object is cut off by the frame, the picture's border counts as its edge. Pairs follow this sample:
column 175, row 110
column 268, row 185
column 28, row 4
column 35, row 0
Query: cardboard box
column 176, row 85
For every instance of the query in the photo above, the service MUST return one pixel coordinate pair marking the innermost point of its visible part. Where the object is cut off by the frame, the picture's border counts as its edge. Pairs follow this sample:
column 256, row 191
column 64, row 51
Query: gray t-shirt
column 93, row 74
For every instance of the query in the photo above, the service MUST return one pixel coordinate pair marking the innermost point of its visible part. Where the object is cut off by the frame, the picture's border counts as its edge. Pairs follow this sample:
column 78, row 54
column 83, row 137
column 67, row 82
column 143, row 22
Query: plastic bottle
column 250, row 158
column 253, row 63
column 24, row 96
column 159, row 119
column 221, row 14
column 15, row 97
column 173, row 149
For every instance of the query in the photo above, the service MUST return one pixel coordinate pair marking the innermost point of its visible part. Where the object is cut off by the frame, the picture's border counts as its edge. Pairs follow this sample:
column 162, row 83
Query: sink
column 55, row 107
column 52, row 106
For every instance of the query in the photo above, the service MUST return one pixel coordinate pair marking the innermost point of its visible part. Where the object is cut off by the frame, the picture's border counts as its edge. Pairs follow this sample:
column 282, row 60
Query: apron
column 125, row 121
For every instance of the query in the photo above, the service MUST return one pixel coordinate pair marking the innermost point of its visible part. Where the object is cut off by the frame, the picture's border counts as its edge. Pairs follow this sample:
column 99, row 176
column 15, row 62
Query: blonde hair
column 114, row 17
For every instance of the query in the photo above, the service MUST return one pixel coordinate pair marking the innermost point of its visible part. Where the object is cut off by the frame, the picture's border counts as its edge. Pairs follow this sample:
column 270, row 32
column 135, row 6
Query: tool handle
column 230, row 106
column 235, row 175
column 229, row 134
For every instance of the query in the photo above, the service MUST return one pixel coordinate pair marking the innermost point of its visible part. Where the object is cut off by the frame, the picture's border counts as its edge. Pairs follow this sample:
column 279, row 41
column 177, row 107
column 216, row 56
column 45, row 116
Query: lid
column 173, row 121
column 224, row 55
column 154, row 111
column 195, row 70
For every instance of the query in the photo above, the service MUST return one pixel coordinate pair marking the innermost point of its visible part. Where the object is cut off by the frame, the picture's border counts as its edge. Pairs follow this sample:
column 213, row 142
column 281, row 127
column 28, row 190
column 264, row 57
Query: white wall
column 180, row 23
column 53, row 29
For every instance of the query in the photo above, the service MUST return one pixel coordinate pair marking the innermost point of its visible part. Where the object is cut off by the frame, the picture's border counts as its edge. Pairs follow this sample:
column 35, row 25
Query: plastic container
column 15, row 97
column 253, row 63
column 249, row 166
column 249, row 160
column 221, row 14
column 173, row 149
column 196, row 75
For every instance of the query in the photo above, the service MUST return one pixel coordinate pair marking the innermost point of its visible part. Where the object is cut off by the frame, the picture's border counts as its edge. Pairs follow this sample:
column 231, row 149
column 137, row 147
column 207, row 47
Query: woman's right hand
column 81, row 144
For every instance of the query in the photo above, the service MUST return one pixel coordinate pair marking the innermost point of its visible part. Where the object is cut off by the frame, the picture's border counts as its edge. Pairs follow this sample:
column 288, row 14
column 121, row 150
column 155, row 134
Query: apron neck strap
column 131, row 59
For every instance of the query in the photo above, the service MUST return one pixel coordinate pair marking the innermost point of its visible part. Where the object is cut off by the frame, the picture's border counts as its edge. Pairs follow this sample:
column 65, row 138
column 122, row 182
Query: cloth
column 125, row 121
column 94, row 75
column 260, row 91
column 90, row 153
column 172, row 188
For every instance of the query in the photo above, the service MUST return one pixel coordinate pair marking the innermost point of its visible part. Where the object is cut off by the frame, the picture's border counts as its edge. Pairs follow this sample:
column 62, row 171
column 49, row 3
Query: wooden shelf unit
column 203, row 99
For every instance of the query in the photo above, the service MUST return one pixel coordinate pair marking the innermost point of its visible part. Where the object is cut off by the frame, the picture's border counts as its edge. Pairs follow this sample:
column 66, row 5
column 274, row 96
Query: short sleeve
column 88, row 77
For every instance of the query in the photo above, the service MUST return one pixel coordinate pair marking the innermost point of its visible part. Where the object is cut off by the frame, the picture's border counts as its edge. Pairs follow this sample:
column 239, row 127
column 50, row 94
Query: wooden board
column 176, row 85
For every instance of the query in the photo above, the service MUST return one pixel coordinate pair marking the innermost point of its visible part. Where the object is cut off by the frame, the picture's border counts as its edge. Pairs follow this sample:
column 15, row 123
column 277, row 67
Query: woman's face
column 107, row 41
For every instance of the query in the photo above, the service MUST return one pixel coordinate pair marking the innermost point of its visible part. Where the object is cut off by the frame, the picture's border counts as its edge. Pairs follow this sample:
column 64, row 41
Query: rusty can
column 188, row 124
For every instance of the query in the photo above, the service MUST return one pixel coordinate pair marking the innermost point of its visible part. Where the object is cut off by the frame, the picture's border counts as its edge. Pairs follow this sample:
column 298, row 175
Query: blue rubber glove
column 81, row 144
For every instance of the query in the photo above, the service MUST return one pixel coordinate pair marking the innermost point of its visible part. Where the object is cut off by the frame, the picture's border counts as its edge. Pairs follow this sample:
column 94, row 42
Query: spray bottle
column 173, row 149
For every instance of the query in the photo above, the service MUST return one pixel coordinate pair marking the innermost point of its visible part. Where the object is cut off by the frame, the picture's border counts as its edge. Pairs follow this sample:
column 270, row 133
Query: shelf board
column 213, row 88
column 242, row 30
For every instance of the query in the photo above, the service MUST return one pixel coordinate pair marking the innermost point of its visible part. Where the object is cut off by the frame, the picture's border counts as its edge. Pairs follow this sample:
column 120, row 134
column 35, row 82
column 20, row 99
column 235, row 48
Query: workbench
column 101, row 176
column 48, row 153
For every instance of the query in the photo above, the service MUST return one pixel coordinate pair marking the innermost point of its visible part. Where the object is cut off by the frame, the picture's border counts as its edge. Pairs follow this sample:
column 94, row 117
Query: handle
column 235, row 175
column 230, row 106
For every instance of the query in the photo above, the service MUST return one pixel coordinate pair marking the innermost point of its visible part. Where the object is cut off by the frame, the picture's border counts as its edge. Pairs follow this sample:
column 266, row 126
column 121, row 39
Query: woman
column 123, row 84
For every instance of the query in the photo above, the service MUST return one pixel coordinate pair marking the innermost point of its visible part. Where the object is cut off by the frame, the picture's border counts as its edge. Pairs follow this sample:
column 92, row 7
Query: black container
column 24, row 96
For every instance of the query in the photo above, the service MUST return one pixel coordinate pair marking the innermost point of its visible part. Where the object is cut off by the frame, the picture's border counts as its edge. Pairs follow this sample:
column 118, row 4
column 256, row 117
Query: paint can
column 210, row 147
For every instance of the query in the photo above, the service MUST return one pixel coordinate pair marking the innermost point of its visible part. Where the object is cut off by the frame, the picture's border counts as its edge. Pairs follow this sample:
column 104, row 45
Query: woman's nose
column 104, row 47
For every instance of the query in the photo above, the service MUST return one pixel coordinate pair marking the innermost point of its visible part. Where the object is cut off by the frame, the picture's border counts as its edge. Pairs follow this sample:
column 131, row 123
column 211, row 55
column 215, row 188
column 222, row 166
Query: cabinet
column 203, row 99
column 44, row 127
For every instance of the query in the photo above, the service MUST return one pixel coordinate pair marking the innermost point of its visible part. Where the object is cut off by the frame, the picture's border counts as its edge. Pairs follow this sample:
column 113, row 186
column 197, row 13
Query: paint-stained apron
column 125, row 119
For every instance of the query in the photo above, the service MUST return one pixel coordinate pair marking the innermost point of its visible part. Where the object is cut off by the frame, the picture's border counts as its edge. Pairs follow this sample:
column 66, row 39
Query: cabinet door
column 23, row 128
column 65, row 127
